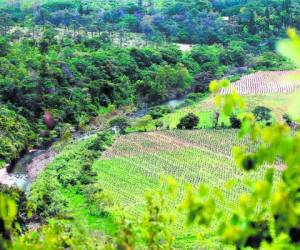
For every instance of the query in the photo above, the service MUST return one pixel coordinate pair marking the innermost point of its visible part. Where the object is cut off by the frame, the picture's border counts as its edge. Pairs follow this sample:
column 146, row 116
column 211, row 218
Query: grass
column 280, row 104
column 77, row 206
column 135, row 163
column 205, row 117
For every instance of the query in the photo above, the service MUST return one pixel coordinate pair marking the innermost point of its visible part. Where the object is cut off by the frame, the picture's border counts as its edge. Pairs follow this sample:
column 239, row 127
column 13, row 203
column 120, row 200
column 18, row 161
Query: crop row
column 136, row 162
column 266, row 82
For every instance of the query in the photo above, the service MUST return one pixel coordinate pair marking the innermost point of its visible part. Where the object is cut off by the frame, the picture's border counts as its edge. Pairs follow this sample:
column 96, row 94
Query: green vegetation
column 72, row 186
column 73, row 83
column 72, row 59
column 190, row 121
column 74, row 71
column 70, row 170
column 195, row 157
column 15, row 134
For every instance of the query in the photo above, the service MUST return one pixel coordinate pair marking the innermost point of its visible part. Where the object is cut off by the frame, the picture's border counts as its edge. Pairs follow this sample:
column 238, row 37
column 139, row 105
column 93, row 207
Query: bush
column 235, row 122
column 159, row 111
column 158, row 124
column 71, row 167
column 121, row 123
column 288, row 119
column 190, row 121
column 262, row 114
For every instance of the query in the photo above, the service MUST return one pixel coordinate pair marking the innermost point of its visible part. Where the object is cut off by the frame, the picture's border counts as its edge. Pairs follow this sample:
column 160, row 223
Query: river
column 26, row 169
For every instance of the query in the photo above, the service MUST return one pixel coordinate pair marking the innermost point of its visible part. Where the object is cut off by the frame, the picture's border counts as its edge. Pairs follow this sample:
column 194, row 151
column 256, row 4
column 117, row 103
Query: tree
column 4, row 46
column 235, row 122
column 80, row 9
column 251, row 23
column 5, row 22
column 234, row 54
column 121, row 123
column 287, row 118
column 159, row 111
column 44, row 46
column 262, row 114
column 216, row 119
column 144, row 122
column 140, row 3
column 158, row 124
column 175, row 78
column 202, row 80
column 190, row 121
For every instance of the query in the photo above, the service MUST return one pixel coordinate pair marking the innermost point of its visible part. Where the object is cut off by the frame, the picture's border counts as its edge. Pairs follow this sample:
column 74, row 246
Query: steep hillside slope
column 135, row 164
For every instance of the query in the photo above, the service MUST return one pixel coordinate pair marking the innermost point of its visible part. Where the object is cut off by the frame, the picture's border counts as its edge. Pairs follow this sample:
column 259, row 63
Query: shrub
column 262, row 114
column 190, row 121
column 288, row 119
column 235, row 122
column 143, row 122
column 121, row 123
column 158, row 124
column 159, row 111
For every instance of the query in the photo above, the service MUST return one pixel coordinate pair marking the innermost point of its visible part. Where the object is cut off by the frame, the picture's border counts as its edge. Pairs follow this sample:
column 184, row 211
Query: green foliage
column 57, row 234
column 260, row 220
column 262, row 114
column 235, row 121
column 159, row 111
column 8, row 213
column 234, row 54
column 75, row 72
column 71, row 168
column 143, row 122
column 189, row 121
column 4, row 46
column 75, row 80
column 153, row 228
column 121, row 122
column 272, row 61
column 162, row 82
column 15, row 134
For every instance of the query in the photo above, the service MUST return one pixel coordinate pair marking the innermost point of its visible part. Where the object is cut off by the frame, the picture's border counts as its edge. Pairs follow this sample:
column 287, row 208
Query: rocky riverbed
column 26, row 169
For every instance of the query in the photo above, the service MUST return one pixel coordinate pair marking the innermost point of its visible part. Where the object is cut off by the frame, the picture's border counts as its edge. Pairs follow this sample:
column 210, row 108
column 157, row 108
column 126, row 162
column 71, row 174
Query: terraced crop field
column 277, row 90
column 135, row 163
column 266, row 82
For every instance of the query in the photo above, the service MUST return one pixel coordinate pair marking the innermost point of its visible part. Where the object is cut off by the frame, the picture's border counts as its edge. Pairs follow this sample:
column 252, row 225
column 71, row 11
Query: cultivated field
column 135, row 163
column 266, row 82
column 277, row 90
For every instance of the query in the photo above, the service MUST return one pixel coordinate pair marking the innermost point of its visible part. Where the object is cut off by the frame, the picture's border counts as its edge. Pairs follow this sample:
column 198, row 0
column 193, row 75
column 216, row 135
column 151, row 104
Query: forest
column 75, row 76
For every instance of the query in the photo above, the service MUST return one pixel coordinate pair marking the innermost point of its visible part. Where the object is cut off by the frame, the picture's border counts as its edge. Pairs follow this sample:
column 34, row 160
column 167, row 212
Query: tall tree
column 251, row 23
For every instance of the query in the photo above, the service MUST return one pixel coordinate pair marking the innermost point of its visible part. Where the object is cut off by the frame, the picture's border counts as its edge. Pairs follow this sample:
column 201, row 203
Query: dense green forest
column 75, row 73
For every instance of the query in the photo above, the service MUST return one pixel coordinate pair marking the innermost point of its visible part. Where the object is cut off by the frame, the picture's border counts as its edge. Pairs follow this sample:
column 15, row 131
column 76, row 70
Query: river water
column 174, row 103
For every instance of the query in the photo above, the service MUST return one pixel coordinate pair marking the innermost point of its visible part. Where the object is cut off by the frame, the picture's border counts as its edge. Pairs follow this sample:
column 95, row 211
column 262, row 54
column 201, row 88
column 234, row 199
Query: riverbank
column 31, row 164
column 26, row 169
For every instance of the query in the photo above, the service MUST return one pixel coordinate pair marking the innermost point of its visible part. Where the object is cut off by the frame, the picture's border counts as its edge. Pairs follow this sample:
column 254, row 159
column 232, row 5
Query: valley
column 149, row 124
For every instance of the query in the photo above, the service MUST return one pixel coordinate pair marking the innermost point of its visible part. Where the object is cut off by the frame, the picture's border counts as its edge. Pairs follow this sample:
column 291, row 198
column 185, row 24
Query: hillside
column 149, row 124
column 273, row 89
column 135, row 163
